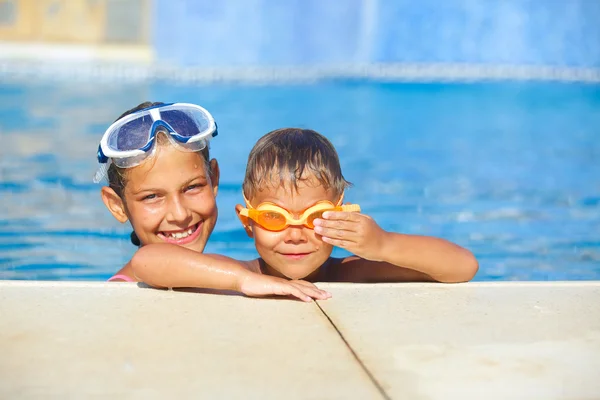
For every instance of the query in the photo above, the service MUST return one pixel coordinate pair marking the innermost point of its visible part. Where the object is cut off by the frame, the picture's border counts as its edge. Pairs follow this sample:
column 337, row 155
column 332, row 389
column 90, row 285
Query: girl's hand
column 355, row 232
column 257, row 285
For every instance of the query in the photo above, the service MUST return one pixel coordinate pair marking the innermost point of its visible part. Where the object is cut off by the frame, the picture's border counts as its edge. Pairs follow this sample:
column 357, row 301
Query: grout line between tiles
column 356, row 357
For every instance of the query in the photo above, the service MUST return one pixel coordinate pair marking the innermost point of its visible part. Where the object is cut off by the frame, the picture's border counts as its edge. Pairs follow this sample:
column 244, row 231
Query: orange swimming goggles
column 274, row 218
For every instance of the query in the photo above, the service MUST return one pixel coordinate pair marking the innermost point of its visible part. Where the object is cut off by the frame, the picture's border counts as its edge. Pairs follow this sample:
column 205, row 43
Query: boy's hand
column 355, row 232
column 257, row 285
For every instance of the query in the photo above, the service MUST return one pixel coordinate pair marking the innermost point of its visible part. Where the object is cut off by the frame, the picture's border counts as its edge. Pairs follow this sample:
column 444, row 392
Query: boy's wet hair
column 288, row 156
column 117, row 177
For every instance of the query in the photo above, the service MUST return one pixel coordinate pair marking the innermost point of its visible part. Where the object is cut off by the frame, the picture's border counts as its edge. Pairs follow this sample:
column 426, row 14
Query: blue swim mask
column 130, row 140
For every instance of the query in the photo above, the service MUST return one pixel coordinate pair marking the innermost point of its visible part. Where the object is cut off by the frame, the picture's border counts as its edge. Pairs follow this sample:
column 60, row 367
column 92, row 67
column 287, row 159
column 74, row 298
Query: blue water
column 508, row 170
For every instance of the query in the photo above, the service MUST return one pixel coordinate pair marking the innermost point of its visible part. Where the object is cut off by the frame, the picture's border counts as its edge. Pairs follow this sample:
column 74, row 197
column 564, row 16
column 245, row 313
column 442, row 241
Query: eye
column 271, row 220
column 149, row 197
column 272, row 216
column 195, row 186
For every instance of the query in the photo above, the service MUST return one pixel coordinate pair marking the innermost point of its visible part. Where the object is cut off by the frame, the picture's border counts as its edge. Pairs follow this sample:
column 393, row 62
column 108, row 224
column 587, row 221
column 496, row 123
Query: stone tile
column 476, row 340
column 82, row 340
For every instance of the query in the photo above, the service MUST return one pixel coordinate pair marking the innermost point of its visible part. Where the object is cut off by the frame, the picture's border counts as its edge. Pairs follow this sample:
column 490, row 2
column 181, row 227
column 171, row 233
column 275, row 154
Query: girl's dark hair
column 135, row 240
column 117, row 177
column 283, row 156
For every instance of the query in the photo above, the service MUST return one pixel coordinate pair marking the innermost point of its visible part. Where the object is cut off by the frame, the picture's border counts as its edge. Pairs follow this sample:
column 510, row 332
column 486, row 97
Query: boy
column 293, row 175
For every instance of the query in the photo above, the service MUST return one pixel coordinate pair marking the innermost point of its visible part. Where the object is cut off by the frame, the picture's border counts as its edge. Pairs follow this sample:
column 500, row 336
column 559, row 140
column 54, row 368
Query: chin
column 296, row 275
column 294, row 270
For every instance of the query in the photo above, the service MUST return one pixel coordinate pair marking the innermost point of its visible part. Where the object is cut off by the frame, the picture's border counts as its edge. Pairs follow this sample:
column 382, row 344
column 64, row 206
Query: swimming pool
column 510, row 170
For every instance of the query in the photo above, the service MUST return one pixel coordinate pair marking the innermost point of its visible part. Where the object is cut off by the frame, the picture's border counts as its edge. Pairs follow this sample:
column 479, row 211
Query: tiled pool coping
column 469, row 341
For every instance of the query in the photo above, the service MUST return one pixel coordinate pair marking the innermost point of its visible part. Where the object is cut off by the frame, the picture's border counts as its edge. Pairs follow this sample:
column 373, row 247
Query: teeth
column 181, row 235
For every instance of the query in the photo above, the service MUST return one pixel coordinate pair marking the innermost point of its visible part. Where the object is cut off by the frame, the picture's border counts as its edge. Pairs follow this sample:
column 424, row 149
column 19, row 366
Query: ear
column 244, row 220
column 215, row 175
column 114, row 203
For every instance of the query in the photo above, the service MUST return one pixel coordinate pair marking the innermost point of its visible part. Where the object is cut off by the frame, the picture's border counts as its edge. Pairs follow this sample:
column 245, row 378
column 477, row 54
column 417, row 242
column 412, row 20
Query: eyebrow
column 203, row 178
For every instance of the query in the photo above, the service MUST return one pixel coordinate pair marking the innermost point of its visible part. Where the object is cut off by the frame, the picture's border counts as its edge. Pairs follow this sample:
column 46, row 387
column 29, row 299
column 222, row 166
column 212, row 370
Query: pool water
column 510, row 170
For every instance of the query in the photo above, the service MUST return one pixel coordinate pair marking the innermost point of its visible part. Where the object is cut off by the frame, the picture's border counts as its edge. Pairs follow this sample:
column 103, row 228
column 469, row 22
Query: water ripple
column 497, row 168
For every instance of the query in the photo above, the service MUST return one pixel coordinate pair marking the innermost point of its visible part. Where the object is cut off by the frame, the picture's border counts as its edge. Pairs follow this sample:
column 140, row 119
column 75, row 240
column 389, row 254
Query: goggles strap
column 102, row 171
column 155, row 114
column 339, row 203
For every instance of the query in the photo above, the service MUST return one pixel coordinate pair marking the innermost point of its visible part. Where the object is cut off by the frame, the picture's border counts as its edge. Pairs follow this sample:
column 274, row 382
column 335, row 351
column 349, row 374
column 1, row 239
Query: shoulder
column 346, row 269
column 331, row 271
column 359, row 270
column 253, row 265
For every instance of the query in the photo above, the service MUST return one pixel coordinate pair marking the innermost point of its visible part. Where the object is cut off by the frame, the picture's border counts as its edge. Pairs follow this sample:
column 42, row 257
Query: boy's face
column 297, row 251
column 171, row 198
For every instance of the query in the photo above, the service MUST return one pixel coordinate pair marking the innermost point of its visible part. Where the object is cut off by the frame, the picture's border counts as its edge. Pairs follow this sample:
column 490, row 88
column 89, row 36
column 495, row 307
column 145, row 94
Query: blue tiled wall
column 345, row 32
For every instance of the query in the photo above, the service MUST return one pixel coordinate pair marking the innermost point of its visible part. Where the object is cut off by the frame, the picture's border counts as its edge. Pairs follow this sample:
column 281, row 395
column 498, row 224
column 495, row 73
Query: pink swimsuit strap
column 121, row 276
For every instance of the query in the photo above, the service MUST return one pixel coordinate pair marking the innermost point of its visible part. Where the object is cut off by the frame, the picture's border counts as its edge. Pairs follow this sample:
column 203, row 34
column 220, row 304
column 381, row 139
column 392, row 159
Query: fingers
column 337, row 219
column 304, row 283
column 341, row 221
column 292, row 290
column 337, row 237
column 344, row 229
column 344, row 244
column 340, row 216
column 304, row 291
column 322, row 294
column 257, row 285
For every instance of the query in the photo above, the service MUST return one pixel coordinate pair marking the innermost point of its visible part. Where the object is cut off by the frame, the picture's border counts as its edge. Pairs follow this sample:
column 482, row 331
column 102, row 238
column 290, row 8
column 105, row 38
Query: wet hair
column 290, row 155
column 117, row 177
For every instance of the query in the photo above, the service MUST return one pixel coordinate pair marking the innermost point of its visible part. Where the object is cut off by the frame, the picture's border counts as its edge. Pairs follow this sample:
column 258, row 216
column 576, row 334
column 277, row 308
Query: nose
column 295, row 234
column 177, row 212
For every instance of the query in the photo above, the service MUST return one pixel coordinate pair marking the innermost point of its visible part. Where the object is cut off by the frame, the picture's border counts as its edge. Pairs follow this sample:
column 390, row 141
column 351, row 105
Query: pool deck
column 505, row 340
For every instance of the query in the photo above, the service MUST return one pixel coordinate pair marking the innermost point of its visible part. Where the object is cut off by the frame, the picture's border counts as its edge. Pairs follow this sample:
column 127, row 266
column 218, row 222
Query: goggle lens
column 132, row 135
column 272, row 220
column 277, row 221
column 268, row 215
column 129, row 140
column 186, row 124
column 311, row 218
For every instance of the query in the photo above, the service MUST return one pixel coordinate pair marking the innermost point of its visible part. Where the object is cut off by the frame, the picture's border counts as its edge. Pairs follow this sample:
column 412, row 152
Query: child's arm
column 167, row 265
column 125, row 274
column 393, row 257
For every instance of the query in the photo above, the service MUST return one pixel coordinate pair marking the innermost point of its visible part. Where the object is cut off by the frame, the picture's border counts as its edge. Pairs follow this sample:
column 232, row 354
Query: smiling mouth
column 183, row 236
column 295, row 256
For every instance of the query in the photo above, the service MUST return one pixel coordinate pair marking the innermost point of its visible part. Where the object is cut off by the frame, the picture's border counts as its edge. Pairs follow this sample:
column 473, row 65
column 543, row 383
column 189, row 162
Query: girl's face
column 170, row 198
